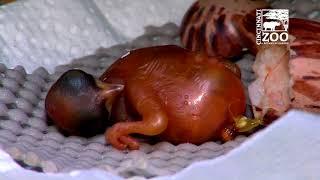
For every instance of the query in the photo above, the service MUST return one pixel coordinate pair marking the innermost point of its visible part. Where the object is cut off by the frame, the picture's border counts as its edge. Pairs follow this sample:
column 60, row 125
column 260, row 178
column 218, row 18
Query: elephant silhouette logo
column 271, row 25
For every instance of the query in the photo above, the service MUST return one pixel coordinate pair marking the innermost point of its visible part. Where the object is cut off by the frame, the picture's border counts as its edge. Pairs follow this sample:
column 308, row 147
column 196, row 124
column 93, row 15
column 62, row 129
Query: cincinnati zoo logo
column 272, row 26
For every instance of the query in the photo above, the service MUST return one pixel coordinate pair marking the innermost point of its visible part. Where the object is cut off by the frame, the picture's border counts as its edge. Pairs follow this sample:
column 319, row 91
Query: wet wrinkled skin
column 166, row 91
column 76, row 104
column 174, row 94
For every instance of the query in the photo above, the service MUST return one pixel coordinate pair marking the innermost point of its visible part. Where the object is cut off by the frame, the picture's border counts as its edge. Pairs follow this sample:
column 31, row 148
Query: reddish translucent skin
column 175, row 94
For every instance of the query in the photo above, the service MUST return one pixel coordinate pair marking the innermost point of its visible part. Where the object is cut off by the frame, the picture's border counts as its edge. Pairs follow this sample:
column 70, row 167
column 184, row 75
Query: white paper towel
column 52, row 32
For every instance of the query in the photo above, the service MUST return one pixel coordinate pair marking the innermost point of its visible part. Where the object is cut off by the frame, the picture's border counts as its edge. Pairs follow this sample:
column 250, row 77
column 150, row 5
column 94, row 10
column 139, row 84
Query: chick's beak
column 109, row 92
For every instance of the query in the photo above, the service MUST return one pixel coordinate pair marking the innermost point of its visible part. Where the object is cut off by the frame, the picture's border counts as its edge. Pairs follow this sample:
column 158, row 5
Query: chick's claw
column 113, row 138
column 118, row 138
column 130, row 142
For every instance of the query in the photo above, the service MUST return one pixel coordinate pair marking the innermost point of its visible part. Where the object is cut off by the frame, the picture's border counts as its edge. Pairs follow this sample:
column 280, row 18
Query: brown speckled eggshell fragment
column 222, row 28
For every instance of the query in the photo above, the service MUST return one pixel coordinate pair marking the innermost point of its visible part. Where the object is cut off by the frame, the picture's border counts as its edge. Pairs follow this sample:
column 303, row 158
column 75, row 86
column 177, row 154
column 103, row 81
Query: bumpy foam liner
column 37, row 145
column 27, row 136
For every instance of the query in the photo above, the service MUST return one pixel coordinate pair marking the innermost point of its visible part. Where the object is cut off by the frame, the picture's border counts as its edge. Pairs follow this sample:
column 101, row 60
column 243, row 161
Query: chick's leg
column 154, row 119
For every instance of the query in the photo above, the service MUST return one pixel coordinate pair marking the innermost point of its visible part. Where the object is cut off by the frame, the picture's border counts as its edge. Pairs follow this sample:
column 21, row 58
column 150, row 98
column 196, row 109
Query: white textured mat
column 48, row 33
column 288, row 149
column 28, row 138
column 51, row 32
